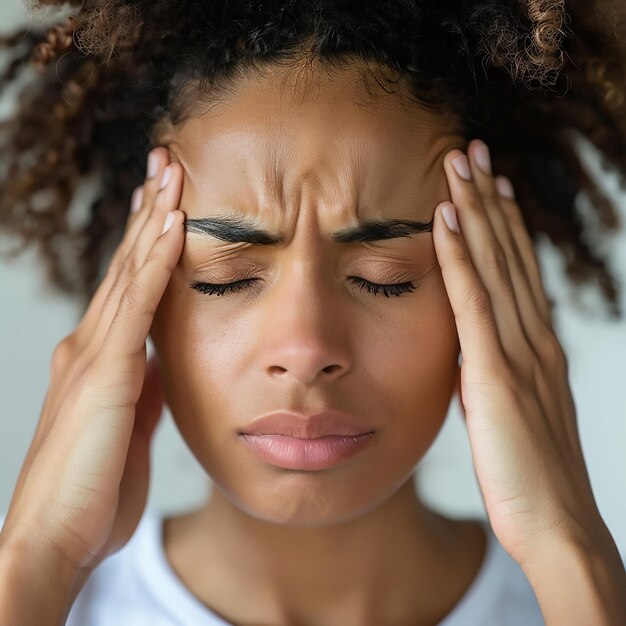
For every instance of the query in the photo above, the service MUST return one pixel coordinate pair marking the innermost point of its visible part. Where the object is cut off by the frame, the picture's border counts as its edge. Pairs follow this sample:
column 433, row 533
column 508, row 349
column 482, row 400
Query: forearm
column 37, row 587
column 580, row 583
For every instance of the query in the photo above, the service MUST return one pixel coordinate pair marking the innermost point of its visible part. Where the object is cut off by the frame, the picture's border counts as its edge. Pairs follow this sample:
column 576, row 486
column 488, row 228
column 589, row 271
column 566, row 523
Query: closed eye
column 221, row 289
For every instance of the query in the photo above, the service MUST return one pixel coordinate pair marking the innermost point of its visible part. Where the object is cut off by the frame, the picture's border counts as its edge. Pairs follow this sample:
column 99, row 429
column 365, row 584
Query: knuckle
column 516, row 259
column 514, row 377
column 551, row 350
column 478, row 301
column 495, row 262
column 63, row 353
column 493, row 257
column 132, row 263
column 537, row 373
column 116, row 265
column 117, row 261
column 89, row 382
column 523, row 361
column 133, row 303
column 156, row 259
column 131, row 296
column 458, row 254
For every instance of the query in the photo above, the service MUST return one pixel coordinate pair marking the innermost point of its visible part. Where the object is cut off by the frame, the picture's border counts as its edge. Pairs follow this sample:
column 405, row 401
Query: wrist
column 579, row 579
column 38, row 585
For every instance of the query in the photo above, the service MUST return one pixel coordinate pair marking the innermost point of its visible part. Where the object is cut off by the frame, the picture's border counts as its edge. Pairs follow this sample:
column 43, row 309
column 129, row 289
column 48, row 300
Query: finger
column 550, row 356
column 480, row 164
column 141, row 200
column 524, row 245
column 96, row 304
column 505, row 216
column 166, row 199
column 486, row 252
column 126, row 337
column 476, row 325
column 158, row 160
column 528, row 308
column 86, row 329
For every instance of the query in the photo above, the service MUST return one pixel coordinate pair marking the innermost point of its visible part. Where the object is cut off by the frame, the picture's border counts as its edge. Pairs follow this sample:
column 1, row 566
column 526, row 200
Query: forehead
column 272, row 139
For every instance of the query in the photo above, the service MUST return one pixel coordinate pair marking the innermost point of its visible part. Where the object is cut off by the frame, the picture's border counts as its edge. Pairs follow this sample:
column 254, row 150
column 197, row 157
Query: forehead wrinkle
column 219, row 246
column 271, row 196
column 392, row 249
column 279, row 201
column 332, row 182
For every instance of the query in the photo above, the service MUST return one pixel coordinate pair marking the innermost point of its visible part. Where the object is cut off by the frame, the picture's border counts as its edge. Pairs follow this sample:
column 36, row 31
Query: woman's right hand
column 83, row 485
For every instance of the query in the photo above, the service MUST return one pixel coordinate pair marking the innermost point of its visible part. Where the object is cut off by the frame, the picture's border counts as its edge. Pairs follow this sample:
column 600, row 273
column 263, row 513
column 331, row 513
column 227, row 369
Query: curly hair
column 530, row 77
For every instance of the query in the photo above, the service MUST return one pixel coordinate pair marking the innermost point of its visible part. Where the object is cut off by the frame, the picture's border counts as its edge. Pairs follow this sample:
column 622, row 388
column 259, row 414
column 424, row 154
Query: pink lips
column 309, row 442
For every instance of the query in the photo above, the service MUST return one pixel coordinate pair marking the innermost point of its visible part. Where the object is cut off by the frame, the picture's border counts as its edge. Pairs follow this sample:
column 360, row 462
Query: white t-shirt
column 137, row 587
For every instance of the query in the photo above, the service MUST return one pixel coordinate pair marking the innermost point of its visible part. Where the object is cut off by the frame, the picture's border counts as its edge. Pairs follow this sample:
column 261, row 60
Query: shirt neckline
column 160, row 580
column 171, row 594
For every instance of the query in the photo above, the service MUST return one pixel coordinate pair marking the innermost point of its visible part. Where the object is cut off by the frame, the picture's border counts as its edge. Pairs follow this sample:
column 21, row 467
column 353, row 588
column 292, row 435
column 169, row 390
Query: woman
column 321, row 232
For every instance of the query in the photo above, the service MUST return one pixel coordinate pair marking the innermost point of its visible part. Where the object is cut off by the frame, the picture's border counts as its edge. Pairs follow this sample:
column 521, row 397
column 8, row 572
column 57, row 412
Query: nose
column 306, row 338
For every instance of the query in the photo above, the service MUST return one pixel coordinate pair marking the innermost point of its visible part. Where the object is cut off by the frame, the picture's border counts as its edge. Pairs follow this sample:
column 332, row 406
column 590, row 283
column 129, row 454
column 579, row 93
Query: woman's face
column 304, row 335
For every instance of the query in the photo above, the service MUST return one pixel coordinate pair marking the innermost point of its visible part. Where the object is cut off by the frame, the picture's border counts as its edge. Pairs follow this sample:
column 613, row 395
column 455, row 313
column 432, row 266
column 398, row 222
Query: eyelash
column 396, row 289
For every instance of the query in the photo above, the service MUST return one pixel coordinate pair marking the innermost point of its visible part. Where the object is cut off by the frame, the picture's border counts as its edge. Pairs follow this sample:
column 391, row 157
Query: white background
column 33, row 320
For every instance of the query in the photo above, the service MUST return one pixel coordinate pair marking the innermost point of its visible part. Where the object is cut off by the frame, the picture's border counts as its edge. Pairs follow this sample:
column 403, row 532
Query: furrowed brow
column 237, row 229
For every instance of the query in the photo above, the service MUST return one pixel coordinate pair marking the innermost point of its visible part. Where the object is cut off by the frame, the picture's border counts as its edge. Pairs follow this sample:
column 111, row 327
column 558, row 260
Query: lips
column 328, row 423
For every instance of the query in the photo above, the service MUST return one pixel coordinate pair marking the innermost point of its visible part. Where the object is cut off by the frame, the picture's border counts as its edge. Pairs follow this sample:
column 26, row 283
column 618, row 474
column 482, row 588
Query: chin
column 312, row 499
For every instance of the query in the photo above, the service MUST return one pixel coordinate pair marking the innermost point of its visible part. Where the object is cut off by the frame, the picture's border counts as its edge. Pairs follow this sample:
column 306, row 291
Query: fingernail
column 153, row 165
column 137, row 199
column 169, row 220
column 462, row 167
column 167, row 174
column 483, row 160
column 448, row 212
column 505, row 187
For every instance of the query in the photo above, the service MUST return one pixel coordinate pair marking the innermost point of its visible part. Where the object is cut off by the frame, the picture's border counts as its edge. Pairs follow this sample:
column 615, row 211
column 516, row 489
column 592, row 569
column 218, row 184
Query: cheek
column 415, row 360
column 196, row 345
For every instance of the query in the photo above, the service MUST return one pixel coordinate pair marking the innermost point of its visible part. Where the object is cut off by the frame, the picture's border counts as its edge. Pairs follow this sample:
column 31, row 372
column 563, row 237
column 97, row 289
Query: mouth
column 305, row 453
column 328, row 423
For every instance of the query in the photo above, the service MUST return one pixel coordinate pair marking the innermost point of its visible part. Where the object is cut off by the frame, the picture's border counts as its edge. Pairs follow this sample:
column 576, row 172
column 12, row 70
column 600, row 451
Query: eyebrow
column 236, row 229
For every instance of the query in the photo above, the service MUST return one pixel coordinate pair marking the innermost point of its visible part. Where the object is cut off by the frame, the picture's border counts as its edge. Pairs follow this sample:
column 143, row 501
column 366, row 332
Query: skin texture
column 308, row 166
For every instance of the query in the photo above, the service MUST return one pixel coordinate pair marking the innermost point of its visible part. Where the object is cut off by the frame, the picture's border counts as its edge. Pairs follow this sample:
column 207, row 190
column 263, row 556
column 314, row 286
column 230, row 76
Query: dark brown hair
column 530, row 77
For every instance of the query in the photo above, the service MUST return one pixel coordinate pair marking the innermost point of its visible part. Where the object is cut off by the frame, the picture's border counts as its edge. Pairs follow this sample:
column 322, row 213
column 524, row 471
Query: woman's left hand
column 514, row 389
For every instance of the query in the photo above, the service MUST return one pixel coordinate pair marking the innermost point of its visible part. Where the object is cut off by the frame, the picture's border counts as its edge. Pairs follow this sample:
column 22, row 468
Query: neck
column 397, row 563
